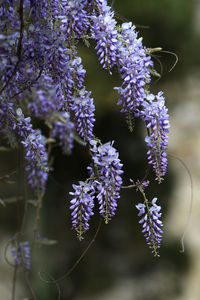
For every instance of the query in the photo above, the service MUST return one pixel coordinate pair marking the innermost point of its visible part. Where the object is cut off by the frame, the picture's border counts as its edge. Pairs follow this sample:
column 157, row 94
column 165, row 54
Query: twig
column 131, row 186
column 26, row 274
column 174, row 54
column 14, row 282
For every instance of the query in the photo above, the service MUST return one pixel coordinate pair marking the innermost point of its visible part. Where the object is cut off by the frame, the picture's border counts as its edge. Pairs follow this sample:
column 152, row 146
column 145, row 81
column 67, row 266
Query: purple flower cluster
column 134, row 66
column 41, row 72
column 63, row 129
column 107, row 169
column 83, row 108
column 75, row 18
column 105, row 182
column 35, row 152
column 151, row 224
column 43, row 102
column 82, row 206
column 156, row 117
column 21, row 255
column 122, row 48
column 7, row 122
column 104, row 31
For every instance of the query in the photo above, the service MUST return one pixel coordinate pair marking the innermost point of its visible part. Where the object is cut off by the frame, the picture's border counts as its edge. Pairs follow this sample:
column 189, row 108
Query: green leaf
column 2, row 203
column 46, row 242
column 50, row 140
column 87, row 43
column 5, row 149
column 33, row 202
column 79, row 140
column 11, row 200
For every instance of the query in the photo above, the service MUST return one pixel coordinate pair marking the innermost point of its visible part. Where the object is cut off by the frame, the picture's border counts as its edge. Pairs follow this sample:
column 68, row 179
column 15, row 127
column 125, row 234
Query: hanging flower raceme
column 134, row 66
column 63, row 129
column 155, row 114
column 104, row 31
column 43, row 101
column 83, row 108
column 73, row 80
column 107, row 168
column 74, row 18
column 21, row 255
column 82, row 206
column 151, row 224
column 35, row 152
column 7, row 122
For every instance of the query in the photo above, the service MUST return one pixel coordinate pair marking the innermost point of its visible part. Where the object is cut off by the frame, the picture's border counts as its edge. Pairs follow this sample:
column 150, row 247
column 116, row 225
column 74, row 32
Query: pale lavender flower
column 104, row 32
column 35, row 152
column 151, row 224
column 107, row 170
column 82, row 206
column 156, row 117
column 134, row 64
column 63, row 129
column 43, row 101
column 74, row 18
column 83, row 108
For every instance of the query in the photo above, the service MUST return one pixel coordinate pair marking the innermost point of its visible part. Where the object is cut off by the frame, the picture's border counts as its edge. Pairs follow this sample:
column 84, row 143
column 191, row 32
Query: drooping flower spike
column 82, row 207
column 151, row 224
column 107, row 168
column 156, row 117
column 21, row 255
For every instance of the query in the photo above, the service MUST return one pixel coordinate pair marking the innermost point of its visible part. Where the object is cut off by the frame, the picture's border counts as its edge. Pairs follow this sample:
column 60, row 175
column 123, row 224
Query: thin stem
column 37, row 219
column 25, row 203
column 131, row 186
column 26, row 275
column 174, row 54
column 14, row 282
column 191, row 199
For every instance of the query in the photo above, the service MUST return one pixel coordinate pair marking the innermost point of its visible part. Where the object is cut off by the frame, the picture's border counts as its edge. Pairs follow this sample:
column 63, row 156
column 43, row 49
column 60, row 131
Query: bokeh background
column 118, row 265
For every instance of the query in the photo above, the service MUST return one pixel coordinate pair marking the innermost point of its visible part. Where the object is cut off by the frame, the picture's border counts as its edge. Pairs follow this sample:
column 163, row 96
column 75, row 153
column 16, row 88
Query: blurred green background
column 118, row 265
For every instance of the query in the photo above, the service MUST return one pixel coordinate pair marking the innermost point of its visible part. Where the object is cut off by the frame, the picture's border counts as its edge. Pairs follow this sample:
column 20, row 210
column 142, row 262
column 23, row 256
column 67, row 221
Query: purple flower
column 134, row 66
column 107, row 170
column 43, row 101
column 35, row 152
column 73, row 80
column 21, row 255
column 151, row 224
column 82, row 207
column 156, row 117
column 83, row 108
column 7, row 121
column 74, row 18
column 104, row 32
column 63, row 129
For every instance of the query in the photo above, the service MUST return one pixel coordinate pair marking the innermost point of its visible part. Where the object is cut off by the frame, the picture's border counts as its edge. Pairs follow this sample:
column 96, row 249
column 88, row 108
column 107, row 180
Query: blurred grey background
column 119, row 266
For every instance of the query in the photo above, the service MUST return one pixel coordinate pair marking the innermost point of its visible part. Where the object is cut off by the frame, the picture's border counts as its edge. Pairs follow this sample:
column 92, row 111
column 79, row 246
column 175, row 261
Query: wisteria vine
column 42, row 77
